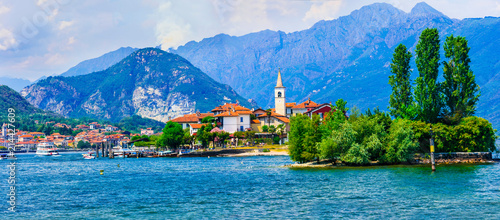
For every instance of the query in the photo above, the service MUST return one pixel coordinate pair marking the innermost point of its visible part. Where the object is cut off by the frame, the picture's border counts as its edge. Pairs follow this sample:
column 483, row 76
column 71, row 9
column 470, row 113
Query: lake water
column 69, row 187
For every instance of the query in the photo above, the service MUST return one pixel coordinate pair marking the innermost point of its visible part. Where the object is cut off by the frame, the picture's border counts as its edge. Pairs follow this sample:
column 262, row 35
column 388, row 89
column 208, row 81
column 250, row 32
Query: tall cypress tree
column 427, row 91
column 401, row 99
column 460, row 90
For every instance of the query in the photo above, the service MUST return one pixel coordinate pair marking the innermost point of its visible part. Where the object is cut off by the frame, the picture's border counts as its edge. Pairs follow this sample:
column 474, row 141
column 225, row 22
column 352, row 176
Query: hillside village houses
column 232, row 117
column 28, row 141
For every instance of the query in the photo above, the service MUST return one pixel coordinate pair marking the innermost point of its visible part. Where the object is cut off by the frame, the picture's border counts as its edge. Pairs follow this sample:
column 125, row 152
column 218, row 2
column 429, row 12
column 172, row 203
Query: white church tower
column 279, row 96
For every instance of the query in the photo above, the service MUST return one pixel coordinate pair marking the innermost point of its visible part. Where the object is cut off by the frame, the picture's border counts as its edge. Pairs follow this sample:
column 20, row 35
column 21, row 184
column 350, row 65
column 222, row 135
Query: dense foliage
column 374, row 136
column 136, row 123
column 427, row 90
column 459, row 88
column 172, row 136
column 400, row 82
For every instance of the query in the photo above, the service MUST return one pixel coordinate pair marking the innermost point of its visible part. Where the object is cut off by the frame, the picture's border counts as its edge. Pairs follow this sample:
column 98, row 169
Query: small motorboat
column 89, row 155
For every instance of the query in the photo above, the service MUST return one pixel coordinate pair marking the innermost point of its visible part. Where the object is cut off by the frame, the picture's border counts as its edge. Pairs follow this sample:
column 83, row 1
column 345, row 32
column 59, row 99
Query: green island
column 418, row 109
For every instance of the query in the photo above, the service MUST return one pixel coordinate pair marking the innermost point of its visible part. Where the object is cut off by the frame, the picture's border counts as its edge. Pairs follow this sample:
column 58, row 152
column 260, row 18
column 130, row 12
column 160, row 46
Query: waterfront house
column 26, row 138
column 194, row 118
column 320, row 110
column 232, row 117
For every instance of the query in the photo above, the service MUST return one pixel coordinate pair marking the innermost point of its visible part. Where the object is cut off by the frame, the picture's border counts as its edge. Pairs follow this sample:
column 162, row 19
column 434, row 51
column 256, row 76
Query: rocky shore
column 440, row 158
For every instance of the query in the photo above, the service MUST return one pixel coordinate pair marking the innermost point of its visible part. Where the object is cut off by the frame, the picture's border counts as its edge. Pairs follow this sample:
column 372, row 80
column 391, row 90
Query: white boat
column 46, row 149
column 89, row 155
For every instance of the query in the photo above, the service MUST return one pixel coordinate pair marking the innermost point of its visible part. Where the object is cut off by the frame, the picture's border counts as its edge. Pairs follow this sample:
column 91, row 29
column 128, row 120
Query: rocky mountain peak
column 423, row 9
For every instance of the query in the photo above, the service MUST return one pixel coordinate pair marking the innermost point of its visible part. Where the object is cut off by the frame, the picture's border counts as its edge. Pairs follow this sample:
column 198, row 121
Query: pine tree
column 427, row 90
column 460, row 90
column 401, row 98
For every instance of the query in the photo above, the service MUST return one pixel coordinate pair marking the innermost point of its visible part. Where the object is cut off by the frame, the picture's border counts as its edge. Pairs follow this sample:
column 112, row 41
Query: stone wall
column 456, row 157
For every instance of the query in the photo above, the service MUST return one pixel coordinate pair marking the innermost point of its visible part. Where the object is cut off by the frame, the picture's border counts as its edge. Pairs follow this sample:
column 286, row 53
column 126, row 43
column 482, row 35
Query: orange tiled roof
column 291, row 104
column 255, row 121
column 186, row 119
column 228, row 114
column 37, row 133
column 273, row 114
column 307, row 104
column 244, row 112
column 284, row 119
column 196, row 126
column 230, row 106
column 26, row 136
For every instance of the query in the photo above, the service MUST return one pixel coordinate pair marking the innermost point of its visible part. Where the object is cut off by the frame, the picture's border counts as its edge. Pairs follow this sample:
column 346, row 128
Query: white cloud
column 65, row 24
column 4, row 9
column 323, row 11
column 7, row 40
column 71, row 40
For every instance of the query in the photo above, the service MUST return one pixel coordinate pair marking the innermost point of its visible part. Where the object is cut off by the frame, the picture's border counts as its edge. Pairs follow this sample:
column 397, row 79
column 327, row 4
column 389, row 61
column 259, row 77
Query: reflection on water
column 247, row 187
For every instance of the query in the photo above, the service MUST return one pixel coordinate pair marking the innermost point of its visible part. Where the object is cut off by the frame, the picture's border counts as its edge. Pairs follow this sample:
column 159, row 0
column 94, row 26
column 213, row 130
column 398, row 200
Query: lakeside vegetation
column 448, row 107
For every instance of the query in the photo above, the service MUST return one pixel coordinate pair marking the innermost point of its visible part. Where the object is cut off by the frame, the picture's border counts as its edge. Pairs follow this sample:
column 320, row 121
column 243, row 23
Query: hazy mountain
column 14, row 83
column 150, row 82
column 100, row 63
column 345, row 58
column 12, row 99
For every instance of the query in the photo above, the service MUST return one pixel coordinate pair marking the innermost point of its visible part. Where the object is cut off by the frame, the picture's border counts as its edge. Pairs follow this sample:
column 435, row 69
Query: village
column 229, row 117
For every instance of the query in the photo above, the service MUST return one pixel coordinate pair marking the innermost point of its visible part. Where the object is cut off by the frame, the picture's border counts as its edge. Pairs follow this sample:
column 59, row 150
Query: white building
column 233, row 118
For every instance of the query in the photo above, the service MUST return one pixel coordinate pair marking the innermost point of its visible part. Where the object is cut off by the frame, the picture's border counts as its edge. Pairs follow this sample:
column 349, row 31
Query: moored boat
column 46, row 149
column 89, row 155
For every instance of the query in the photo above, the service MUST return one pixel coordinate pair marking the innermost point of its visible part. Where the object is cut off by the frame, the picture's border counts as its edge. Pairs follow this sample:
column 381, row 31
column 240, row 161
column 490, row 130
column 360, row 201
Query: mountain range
column 100, row 63
column 346, row 58
column 149, row 82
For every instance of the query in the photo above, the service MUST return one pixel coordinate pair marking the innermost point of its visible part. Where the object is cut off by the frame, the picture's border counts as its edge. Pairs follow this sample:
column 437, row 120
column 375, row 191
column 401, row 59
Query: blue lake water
column 69, row 187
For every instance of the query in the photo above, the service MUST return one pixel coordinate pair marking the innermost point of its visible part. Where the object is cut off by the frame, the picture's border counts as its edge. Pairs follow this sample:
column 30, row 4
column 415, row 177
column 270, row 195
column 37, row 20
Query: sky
column 47, row 37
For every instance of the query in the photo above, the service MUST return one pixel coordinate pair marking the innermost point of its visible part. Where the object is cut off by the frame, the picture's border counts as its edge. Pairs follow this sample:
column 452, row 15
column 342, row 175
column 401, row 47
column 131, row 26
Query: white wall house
column 234, row 121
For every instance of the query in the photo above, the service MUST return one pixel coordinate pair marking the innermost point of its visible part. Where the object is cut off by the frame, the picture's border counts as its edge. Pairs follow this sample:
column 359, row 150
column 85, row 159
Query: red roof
column 227, row 114
column 307, row 104
column 185, row 119
column 196, row 126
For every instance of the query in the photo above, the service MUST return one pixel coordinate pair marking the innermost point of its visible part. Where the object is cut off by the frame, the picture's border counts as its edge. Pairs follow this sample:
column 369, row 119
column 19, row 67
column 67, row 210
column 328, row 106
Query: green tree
column 401, row 97
column 312, row 138
column 427, row 90
column 298, row 130
column 460, row 90
column 250, row 136
column 172, row 135
column 208, row 119
column 265, row 128
column 222, row 137
column 204, row 135
column 281, row 131
column 188, row 138
column 338, row 142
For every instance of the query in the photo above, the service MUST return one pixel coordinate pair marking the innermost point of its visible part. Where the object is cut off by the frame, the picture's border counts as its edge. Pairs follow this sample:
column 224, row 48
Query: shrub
column 356, row 155
column 276, row 140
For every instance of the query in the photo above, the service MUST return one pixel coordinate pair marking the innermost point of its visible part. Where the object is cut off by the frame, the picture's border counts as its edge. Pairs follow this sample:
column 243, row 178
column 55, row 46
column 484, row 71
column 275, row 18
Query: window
column 241, row 128
column 241, row 119
column 279, row 94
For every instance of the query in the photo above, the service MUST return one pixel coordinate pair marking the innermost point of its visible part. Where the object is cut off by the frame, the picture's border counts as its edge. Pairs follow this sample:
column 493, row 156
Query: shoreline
column 329, row 164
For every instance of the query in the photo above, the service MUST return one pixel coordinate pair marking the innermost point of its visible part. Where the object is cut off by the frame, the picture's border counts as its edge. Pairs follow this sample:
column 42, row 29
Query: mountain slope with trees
column 150, row 83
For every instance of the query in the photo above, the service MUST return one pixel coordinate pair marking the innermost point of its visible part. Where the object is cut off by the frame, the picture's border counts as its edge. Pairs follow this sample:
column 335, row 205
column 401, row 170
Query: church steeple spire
column 279, row 83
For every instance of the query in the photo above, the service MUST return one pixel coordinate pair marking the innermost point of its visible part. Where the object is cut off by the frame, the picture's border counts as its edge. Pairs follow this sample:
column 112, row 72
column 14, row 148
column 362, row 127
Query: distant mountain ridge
column 14, row 83
column 149, row 82
column 99, row 63
column 345, row 58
